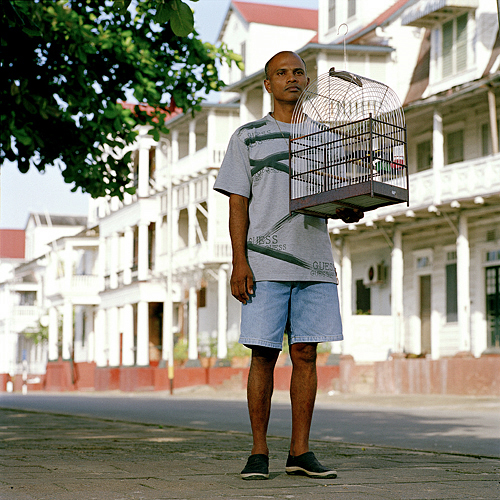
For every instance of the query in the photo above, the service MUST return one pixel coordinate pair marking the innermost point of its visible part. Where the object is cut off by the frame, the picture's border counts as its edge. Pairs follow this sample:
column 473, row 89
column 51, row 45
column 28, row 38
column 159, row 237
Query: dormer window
column 454, row 46
column 452, row 26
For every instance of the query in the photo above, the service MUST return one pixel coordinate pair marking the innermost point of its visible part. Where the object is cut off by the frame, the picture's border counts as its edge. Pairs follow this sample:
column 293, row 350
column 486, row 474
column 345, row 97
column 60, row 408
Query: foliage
column 181, row 350
column 176, row 12
column 37, row 334
column 67, row 65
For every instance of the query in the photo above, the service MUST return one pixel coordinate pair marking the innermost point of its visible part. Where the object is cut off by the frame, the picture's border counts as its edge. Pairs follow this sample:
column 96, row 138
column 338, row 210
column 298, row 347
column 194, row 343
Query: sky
column 21, row 194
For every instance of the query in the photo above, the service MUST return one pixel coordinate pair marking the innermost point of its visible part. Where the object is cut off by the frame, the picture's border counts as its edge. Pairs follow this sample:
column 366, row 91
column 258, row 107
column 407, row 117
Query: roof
column 277, row 15
column 12, row 243
column 171, row 111
column 58, row 220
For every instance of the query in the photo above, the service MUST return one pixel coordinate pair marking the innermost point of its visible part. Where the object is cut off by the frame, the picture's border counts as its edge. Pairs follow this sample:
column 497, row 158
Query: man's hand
column 349, row 215
column 242, row 282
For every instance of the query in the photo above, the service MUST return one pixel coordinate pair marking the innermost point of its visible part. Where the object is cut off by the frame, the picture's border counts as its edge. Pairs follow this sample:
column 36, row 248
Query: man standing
column 283, row 271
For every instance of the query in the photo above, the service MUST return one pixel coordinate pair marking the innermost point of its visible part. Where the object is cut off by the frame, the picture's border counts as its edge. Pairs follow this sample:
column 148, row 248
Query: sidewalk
column 56, row 457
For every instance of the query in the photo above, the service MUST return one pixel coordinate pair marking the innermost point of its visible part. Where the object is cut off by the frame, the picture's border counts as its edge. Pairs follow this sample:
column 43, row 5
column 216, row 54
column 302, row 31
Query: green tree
column 67, row 64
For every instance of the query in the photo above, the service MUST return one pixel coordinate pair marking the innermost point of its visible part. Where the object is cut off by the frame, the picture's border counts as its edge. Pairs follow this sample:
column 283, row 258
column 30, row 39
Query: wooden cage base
column 355, row 196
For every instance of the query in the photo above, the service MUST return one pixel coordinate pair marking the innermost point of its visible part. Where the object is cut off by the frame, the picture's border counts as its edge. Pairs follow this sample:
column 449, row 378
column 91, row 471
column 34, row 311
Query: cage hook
column 345, row 34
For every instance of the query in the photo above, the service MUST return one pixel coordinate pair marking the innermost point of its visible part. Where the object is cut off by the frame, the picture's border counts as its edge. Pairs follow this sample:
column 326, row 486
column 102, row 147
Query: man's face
column 287, row 77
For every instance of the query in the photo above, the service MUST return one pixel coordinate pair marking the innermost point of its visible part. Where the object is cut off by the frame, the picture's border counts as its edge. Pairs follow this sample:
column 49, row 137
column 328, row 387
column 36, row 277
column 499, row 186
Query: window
column 423, row 262
column 454, row 46
column 151, row 245
column 486, row 147
column 493, row 256
column 27, row 298
column 351, row 8
column 331, row 14
column 363, row 298
column 455, row 146
column 451, row 288
column 424, row 156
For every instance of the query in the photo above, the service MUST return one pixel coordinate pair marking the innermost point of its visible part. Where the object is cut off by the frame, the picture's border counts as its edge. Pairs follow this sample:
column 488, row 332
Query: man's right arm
column 241, row 276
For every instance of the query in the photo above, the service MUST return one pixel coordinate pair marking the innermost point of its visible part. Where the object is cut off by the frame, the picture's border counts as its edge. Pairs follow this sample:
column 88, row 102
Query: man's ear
column 267, row 85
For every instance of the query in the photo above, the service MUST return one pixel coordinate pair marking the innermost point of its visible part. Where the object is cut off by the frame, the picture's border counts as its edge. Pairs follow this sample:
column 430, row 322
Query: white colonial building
column 151, row 274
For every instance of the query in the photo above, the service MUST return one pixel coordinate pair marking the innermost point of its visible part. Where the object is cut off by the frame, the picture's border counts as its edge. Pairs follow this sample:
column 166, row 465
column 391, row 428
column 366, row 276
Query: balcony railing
column 468, row 179
column 202, row 254
column 77, row 285
column 205, row 157
column 27, row 313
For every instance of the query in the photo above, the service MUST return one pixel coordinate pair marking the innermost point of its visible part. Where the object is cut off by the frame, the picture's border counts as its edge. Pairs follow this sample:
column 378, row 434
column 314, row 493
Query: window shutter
column 447, row 52
column 462, row 43
column 331, row 14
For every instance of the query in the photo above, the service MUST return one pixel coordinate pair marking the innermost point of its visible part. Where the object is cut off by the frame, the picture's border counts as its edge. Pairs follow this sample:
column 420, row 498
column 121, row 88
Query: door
column 493, row 305
column 425, row 314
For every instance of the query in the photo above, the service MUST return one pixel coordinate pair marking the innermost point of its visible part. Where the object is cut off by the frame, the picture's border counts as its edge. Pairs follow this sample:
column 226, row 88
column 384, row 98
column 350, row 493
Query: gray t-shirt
column 281, row 246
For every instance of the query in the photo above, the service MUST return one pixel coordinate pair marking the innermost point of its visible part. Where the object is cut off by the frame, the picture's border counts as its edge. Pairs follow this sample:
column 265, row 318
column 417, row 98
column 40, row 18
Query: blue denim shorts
column 307, row 311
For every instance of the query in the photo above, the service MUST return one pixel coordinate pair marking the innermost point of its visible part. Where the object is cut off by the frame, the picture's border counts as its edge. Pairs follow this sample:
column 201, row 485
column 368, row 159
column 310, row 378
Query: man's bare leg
column 259, row 393
column 303, row 389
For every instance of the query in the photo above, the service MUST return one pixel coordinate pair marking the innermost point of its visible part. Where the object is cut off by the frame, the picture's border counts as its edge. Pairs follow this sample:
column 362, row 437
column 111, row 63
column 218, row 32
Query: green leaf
column 110, row 112
column 163, row 13
column 121, row 5
column 155, row 133
column 182, row 19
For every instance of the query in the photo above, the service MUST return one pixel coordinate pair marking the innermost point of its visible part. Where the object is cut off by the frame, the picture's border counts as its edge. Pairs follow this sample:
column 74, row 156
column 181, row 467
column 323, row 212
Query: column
column 175, row 147
column 53, row 334
column 211, row 143
column 128, row 255
column 212, row 214
column 243, row 109
column 142, row 268
column 113, row 337
column 191, row 217
column 437, row 154
column 193, row 324
column 101, row 264
column 192, row 138
column 346, row 297
column 78, row 354
column 67, row 336
column 113, row 265
column 397, row 290
column 323, row 64
column 127, row 317
column 463, row 285
column 90, row 329
column 222, row 312
column 68, row 266
column 100, row 337
column 142, row 333
column 493, row 121
column 168, row 334
column 143, row 172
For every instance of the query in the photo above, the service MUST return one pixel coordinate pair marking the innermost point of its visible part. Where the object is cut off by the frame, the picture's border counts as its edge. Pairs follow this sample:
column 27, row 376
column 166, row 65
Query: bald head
column 269, row 63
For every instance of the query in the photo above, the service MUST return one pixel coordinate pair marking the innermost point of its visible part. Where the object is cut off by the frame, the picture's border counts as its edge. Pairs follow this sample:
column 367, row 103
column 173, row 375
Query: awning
column 429, row 13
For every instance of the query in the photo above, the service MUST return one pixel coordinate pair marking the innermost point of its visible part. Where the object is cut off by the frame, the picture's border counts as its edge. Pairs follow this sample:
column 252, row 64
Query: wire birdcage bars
column 347, row 146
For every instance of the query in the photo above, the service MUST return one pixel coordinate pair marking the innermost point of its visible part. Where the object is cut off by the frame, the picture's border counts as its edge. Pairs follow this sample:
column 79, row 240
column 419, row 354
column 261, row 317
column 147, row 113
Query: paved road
column 461, row 425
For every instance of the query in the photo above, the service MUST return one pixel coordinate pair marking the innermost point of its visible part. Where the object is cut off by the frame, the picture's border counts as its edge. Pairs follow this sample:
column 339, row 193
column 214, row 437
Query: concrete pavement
column 58, row 457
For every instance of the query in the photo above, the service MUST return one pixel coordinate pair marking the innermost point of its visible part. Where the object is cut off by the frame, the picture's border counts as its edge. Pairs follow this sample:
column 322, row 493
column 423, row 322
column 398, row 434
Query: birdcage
column 347, row 146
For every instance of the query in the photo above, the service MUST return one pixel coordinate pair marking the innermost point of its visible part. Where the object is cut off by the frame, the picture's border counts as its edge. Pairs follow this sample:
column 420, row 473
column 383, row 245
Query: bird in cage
column 347, row 146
